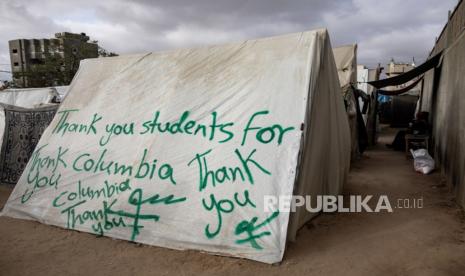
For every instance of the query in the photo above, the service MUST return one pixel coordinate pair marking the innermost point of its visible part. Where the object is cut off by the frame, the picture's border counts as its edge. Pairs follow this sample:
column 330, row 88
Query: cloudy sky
column 399, row 29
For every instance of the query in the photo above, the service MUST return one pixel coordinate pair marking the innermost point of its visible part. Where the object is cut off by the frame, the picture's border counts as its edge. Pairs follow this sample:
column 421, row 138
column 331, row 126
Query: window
column 36, row 61
column 16, row 64
column 15, row 51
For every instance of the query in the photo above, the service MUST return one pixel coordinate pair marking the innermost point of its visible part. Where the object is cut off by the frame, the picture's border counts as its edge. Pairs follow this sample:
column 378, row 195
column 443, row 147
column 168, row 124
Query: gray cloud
column 400, row 29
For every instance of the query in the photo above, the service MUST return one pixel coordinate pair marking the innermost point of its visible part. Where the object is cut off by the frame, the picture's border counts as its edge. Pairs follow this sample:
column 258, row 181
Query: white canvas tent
column 28, row 97
column 365, row 75
column 346, row 63
column 62, row 91
column 181, row 148
column 443, row 98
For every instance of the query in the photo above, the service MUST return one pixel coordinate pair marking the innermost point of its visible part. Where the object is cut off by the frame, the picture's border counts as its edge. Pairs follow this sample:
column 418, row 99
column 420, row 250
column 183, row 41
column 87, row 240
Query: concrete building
column 398, row 68
column 395, row 68
column 49, row 62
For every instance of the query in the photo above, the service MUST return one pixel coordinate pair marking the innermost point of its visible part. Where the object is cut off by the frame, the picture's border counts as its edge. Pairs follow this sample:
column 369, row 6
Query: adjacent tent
column 28, row 97
column 363, row 76
column 370, row 114
column 346, row 63
column 186, row 149
column 448, row 115
column 62, row 91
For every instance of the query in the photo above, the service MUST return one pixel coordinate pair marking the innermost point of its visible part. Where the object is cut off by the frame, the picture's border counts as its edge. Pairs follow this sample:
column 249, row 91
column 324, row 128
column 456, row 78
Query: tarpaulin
column 409, row 75
column 184, row 149
column 28, row 97
column 22, row 128
column 400, row 91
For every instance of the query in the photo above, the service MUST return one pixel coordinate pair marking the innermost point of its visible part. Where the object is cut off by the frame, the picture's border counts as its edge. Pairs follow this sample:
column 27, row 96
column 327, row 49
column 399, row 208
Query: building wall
column 17, row 56
column 49, row 62
column 395, row 69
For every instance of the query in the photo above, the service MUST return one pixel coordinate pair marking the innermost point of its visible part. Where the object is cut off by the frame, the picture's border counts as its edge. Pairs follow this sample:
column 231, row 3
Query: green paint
column 223, row 206
column 91, row 192
column 190, row 127
column 41, row 171
column 86, row 162
column 100, row 217
column 144, row 169
column 224, row 173
column 265, row 135
column 136, row 199
column 246, row 199
column 39, row 162
column 245, row 164
column 64, row 126
column 116, row 129
column 249, row 228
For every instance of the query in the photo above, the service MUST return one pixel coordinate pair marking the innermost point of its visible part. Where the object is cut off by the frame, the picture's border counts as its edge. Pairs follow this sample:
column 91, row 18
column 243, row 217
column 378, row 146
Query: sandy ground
column 422, row 241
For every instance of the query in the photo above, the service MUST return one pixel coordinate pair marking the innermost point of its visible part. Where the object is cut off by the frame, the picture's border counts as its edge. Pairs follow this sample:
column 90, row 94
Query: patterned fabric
column 23, row 128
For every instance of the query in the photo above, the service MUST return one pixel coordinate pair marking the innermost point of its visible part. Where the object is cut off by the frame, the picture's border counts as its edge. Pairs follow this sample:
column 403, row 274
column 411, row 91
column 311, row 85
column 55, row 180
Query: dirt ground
column 413, row 241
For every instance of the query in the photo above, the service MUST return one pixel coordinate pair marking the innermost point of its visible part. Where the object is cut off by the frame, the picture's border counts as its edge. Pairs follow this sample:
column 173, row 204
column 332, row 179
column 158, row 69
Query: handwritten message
column 124, row 203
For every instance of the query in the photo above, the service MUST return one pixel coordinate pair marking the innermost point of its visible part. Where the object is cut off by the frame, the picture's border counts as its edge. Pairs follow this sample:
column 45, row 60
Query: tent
column 184, row 149
column 445, row 102
column 28, row 97
column 442, row 97
column 363, row 76
column 346, row 63
column 62, row 91
column 370, row 114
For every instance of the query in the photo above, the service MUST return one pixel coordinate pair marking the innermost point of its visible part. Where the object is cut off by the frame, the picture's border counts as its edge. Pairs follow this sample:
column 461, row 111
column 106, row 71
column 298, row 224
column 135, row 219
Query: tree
column 105, row 53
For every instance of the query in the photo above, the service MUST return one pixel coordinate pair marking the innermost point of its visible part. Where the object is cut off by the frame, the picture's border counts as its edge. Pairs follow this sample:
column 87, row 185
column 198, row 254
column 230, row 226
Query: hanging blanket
column 23, row 128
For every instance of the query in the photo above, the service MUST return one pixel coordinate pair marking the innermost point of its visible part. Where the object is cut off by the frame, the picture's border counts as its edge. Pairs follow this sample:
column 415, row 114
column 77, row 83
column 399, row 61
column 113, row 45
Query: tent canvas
column 346, row 63
column 180, row 149
column 447, row 85
column 28, row 97
column 370, row 118
column 365, row 75
column 62, row 91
